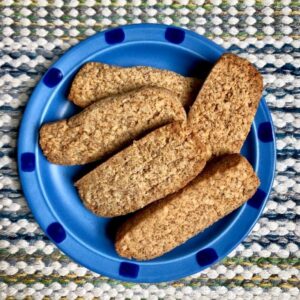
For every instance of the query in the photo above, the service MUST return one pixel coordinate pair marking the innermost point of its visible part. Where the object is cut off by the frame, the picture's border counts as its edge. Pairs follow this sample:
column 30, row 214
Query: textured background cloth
column 33, row 34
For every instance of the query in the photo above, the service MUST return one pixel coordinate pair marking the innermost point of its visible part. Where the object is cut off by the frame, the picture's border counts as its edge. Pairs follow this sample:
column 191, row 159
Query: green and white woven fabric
column 33, row 34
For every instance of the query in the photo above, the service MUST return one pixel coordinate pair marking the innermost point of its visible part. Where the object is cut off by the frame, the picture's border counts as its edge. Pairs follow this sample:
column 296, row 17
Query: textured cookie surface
column 107, row 125
column 225, row 107
column 96, row 80
column 161, row 226
column 153, row 167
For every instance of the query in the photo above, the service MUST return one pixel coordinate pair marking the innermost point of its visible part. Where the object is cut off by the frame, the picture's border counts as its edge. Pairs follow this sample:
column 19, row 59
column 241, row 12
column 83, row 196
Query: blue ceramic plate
column 49, row 189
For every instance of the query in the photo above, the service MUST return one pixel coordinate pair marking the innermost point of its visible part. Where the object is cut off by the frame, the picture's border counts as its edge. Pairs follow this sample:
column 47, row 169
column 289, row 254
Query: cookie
column 155, row 166
column 226, row 104
column 108, row 125
column 222, row 187
column 95, row 81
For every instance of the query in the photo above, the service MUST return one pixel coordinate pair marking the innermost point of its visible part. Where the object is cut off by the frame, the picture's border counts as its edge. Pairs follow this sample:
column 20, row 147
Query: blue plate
column 49, row 189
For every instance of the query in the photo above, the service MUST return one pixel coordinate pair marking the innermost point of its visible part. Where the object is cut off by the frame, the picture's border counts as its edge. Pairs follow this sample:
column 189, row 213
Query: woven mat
column 33, row 34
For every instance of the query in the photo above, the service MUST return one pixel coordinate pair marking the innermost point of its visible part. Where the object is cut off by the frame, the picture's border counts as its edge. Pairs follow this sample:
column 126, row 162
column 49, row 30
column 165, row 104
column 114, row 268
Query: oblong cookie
column 109, row 124
column 226, row 105
column 160, row 227
column 95, row 81
column 153, row 167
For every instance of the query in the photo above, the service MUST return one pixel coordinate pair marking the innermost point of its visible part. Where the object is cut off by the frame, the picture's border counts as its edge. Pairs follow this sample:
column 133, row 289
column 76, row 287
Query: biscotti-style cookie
column 155, row 166
column 96, row 80
column 226, row 105
column 108, row 125
column 160, row 227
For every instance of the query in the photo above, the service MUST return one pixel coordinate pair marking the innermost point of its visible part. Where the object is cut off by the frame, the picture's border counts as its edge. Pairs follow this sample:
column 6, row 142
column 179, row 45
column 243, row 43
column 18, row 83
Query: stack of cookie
column 157, row 131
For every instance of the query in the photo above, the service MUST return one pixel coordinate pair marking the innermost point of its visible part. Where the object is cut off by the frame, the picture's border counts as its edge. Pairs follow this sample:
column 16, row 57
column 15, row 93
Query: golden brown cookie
column 222, row 187
column 108, row 125
column 155, row 166
column 95, row 81
column 226, row 105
